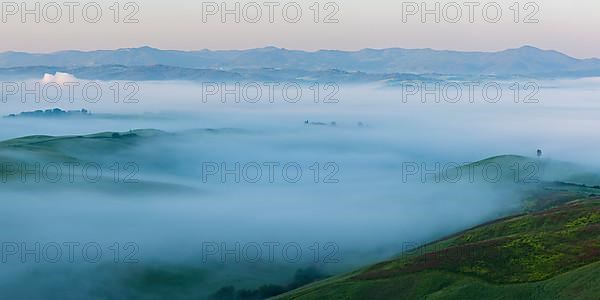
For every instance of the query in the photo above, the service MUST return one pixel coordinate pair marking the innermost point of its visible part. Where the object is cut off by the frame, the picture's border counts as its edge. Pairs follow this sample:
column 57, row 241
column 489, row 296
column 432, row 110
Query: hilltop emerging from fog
column 51, row 113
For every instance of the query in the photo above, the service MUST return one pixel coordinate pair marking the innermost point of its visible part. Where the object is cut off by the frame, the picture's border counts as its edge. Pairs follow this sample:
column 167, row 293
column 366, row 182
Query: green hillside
column 550, row 251
column 40, row 162
column 67, row 147
column 552, row 254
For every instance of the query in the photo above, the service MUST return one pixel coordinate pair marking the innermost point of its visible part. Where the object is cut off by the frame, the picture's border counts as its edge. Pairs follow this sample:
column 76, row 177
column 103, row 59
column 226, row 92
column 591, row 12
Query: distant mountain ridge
column 163, row 72
column 526, row 60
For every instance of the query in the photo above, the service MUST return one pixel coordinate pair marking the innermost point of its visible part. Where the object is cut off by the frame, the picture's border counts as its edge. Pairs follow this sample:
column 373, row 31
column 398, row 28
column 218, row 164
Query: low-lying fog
column 351, row 201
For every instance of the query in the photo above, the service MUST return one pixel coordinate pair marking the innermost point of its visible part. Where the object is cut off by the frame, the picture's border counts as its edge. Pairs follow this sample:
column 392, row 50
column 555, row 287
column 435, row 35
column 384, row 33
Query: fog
column 359, row 207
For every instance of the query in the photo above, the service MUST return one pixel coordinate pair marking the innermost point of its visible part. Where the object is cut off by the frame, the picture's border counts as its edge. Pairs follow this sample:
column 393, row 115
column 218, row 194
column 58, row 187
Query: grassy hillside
column 552, row 254
column 550, row 251
column 40, row 162
column 66, row 147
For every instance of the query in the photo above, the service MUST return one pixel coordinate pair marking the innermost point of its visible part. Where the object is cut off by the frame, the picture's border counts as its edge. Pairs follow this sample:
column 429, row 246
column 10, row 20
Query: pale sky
column 572, row 27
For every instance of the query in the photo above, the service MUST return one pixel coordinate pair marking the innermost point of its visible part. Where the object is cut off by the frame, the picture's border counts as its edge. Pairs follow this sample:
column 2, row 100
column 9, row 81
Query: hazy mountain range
column 163, row 72
column 524, row 61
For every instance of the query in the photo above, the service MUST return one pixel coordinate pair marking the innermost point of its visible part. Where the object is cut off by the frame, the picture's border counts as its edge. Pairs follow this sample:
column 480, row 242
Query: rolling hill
column 552, row 254
column 102, row 162
column 550, row 251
